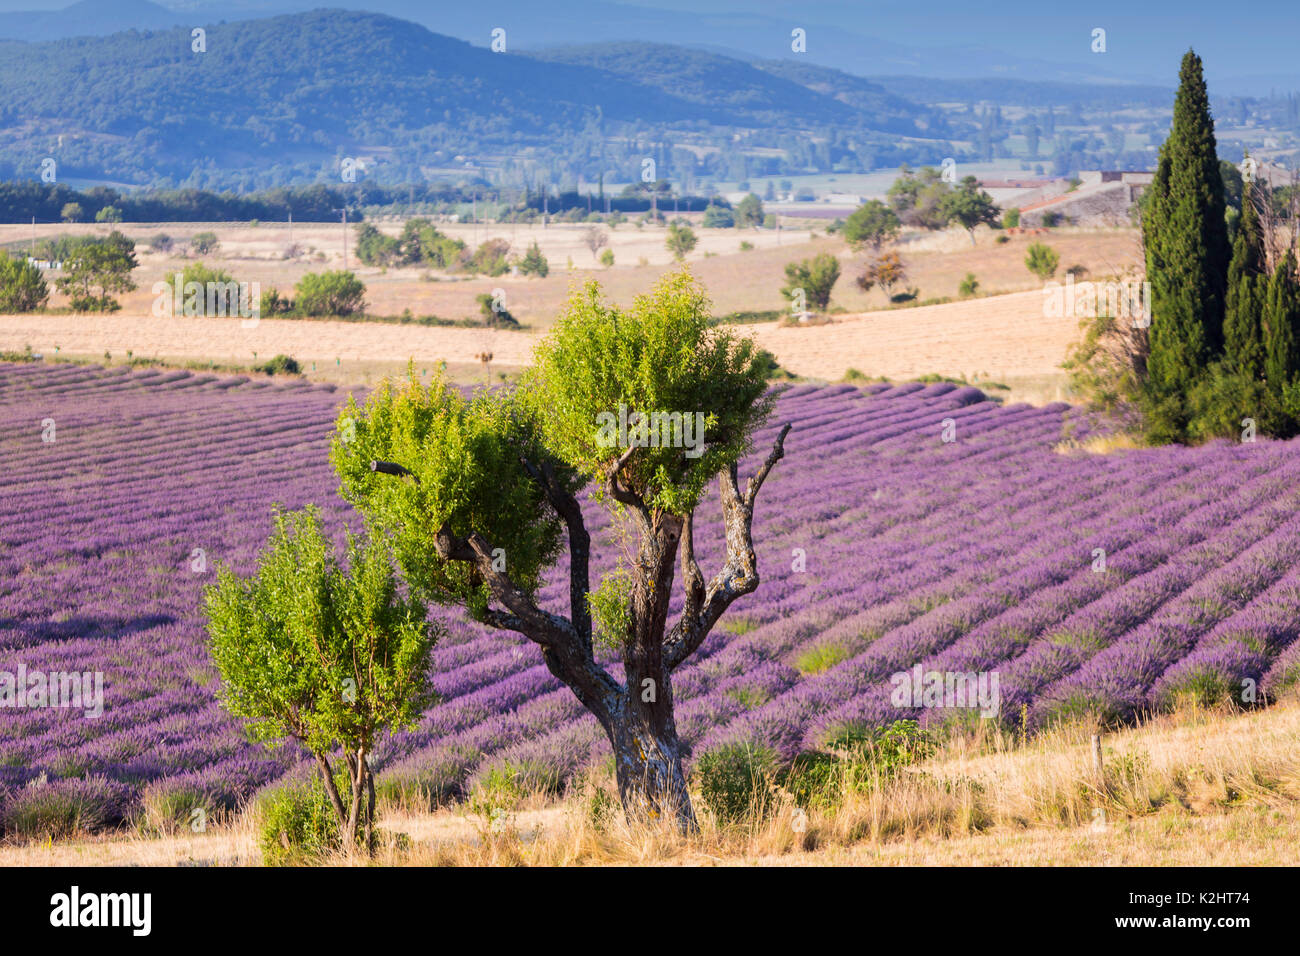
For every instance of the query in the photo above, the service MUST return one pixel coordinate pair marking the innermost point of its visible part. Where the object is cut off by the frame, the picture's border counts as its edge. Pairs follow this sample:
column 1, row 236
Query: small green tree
column 1011, row 219
column 97, row 269
column 373, row 248
column 329, row 293
column 969, row 206
column 328, row 657
column 534, row 263
column 72, row 212
column 607, row 258
column 681, row 240
column 22, row 287
column 871, row 224
column 205, row 243
column 109, row 214
column 749, row 212
column 1042, row 260
column 717, row 216
column 812, row 279
column 206, row 291
column 476, row 495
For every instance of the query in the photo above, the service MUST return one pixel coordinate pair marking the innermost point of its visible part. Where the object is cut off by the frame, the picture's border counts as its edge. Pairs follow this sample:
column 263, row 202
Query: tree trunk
column 648, row 767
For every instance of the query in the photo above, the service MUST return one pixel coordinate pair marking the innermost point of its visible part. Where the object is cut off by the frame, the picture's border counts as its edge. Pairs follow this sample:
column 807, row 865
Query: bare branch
column 739, row 573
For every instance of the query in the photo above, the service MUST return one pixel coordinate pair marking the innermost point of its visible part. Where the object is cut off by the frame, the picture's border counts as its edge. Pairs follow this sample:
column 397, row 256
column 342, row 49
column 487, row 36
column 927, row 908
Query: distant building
column 1102, row 198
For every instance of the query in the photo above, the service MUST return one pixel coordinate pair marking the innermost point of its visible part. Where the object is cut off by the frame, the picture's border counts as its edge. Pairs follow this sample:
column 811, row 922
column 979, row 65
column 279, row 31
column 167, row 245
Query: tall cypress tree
column 1282, row 330
column 1243, row 330
column 1186, row 242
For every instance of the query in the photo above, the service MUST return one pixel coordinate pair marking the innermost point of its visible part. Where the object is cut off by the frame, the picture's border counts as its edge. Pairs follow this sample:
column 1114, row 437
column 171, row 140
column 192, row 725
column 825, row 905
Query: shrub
column 969, row 285
column 816, row 277
column 534, row 263
column 680, row 240
column 495, row 314
column 329, row 293
column 490, row 258
column 272, row 304
column 737, row 780
column 607, row 258
column 22, row 287
column 109, row 214
column 205, row 243
column 280, row 365
column 297, row 825
column 217, row 294
column 1042, row 260
column 718, row 217
column 161, row 242
column 1010, row 218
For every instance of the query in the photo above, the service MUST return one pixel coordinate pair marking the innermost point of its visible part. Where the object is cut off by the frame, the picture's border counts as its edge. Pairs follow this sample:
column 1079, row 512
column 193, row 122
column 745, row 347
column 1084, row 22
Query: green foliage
column 749, row 212
column 816, row 277
column 969, row 206
column 205, row 243
column 1108, row 365
column 97, row 269
column 737, row 780
column 280, row 365
column 490, row 258
column 1281, row 320
column 681, row 240
column 273, row 303
column 424, row 244
column 1247, row 285
column 495, row 315
column 297, row 824
column 213, row 288
column 331, row 658
column 1220, row 399
column 329, row 293
column 374, row 248
column 608, row 604
column 855, row 759
column 1042, row 260
column 1186, row 244
column 871, row 224
column 661, row 356
column 534, row 263
column 22, row 287
column 607, row 258
column 72, row 212
column 109, row 214
column 919, row 199
column 969, row 285
column 718, row 217
column 465, row 454
column 1011, row 219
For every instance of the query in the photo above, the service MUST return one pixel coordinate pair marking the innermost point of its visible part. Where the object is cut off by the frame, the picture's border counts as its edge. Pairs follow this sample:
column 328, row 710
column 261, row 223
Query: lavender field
column 880, row 547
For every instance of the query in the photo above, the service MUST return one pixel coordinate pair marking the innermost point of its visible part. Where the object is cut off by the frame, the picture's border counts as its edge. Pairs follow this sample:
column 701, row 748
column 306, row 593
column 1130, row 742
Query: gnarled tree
column 649, row 405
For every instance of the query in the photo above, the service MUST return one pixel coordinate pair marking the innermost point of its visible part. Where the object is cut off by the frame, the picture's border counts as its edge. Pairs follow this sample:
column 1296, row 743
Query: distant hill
column 298, row 92
column 87, row 18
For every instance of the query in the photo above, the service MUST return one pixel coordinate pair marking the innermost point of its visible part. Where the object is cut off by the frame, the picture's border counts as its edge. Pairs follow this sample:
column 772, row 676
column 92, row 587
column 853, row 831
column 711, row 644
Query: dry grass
column 1002, row 338
column 1101, row 444
column 1195, row 787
